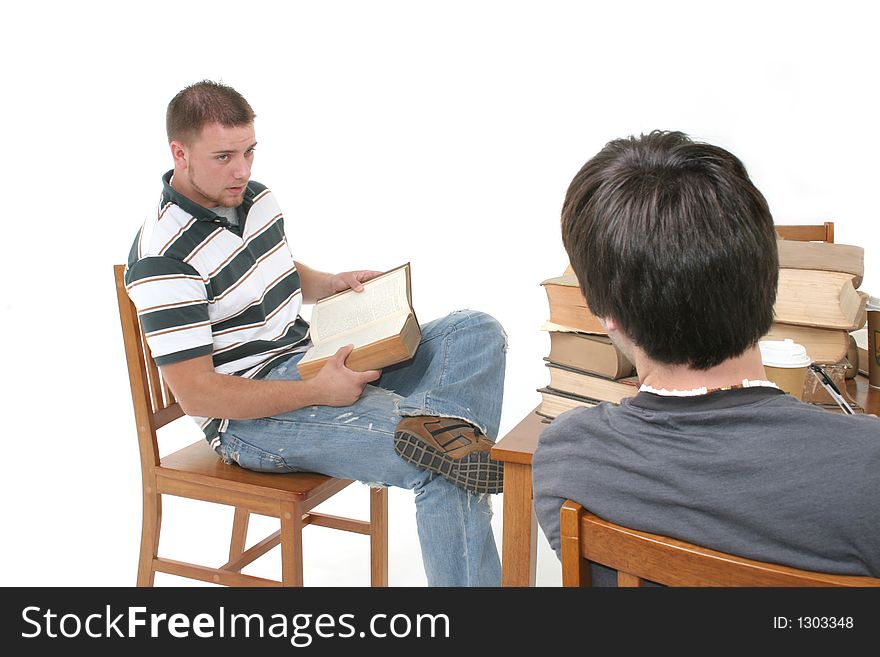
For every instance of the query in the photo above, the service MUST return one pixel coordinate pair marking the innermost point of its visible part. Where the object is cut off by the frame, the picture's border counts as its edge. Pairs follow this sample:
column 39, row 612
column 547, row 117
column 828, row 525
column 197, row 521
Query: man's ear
column 179, row 152
column 609, row 323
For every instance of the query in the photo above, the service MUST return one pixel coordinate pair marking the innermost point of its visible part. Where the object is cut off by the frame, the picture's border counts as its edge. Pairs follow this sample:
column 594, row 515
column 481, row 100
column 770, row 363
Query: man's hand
column 318, row 284
column 352, row 280
column 338, row 385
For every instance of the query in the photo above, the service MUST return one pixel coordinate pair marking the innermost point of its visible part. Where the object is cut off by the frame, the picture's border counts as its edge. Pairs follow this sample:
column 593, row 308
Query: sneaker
column 451, row 448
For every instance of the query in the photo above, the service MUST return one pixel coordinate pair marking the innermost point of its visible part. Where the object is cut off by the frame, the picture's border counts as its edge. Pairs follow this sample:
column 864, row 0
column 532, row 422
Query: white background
column 443, row 133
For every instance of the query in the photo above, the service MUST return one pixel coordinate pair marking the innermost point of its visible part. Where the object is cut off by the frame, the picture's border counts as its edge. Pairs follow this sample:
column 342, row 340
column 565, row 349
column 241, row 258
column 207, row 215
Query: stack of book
column 818, row 303
column 584, row 366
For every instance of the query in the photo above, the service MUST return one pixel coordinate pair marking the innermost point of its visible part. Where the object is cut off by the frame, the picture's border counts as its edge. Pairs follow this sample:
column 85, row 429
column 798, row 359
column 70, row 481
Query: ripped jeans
column 457, row 371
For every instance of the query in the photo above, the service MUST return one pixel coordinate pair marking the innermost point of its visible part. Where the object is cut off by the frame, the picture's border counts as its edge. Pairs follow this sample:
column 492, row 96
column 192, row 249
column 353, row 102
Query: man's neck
column 733, row 371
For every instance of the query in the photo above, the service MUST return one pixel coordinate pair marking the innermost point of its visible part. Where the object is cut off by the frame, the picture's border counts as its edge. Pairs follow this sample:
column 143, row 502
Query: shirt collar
column 171, row 195
column 712, row 401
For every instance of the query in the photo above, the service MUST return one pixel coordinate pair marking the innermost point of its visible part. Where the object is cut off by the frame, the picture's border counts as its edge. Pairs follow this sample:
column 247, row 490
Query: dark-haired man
column 218, row 294
column 675, row 249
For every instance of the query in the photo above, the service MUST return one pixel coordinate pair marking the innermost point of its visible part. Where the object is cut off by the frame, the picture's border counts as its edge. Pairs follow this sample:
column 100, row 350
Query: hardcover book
column 588, row 352
column 379, row 322
column 568, row 306
column 824, row 346
column 584, row 384
column 555, row 402
column 823, row 299
column 823, row 256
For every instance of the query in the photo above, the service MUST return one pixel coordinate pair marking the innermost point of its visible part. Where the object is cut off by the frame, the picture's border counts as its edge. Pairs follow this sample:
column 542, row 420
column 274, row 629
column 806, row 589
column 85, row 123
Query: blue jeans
column 457, row 371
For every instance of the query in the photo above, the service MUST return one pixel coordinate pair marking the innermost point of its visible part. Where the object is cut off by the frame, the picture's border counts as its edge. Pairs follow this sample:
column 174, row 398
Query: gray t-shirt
column 751, row 471
column 230, row 214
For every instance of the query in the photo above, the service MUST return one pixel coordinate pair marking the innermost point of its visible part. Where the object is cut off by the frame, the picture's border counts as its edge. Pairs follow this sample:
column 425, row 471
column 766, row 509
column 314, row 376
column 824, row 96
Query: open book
column 379, row 322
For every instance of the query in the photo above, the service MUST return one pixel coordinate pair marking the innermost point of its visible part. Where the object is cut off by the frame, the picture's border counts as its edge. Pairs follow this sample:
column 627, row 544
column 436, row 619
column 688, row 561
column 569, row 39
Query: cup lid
column 783, row 353
column 873, row 303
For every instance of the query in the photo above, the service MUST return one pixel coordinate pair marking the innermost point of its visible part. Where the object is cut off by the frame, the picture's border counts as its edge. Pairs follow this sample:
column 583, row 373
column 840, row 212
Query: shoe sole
column 476, row 472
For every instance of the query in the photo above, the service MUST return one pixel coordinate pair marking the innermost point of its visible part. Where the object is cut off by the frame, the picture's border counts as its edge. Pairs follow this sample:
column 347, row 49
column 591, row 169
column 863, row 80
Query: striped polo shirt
column 202, row 285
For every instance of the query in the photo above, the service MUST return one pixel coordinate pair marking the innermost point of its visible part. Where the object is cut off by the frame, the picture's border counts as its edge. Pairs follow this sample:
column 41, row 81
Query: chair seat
column 199, row 463
column 197, row 472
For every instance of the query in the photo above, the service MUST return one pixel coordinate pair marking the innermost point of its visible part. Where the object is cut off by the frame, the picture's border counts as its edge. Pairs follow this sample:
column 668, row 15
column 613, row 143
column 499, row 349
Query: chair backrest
column 807, row 233
column 639, row 556
column 154, row 403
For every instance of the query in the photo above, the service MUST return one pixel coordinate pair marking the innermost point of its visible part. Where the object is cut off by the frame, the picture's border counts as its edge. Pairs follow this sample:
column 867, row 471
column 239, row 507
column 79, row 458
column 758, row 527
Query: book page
column 340, row 315
column 861, row 337
column 367, row 335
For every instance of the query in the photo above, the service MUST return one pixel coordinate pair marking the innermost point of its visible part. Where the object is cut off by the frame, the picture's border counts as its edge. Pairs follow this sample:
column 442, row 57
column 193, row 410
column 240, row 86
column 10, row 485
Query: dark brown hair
column 202, row 103
column 672, row 240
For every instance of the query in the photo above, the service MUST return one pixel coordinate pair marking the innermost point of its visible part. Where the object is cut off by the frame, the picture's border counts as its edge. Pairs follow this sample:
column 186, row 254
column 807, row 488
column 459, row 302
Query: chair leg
column 378, row 536
column 626, row 580
column 152, row 522
column 239, row 533
column 291, row 544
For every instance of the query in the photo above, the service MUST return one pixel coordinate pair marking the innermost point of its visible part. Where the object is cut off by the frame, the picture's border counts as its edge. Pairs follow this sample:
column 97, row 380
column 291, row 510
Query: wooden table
column 519, row 533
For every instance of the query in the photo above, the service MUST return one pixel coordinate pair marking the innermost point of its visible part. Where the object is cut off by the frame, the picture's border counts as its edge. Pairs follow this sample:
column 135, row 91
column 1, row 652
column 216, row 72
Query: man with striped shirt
column 218, row 293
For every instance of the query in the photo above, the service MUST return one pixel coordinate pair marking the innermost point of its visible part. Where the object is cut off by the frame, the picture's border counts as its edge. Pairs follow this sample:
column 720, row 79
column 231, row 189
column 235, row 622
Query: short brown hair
column 202, row 103
column 670, row 238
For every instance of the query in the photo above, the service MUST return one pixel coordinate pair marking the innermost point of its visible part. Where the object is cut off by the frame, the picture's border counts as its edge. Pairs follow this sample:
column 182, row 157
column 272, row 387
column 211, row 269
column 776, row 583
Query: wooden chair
column 807, row 233
column 639, row 556
column 197, row 472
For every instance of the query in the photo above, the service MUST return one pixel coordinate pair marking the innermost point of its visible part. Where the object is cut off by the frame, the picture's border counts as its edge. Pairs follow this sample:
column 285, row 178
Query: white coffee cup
column 786, row 363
